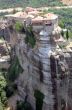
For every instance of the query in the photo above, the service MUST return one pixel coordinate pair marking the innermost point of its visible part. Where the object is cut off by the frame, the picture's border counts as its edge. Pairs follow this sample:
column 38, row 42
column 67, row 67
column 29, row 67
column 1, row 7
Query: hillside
column 68, row 2
column 24, row 3
column 65, row 18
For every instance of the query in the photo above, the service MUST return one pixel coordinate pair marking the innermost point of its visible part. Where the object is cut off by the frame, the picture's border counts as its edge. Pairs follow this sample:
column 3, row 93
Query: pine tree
column 67, row 35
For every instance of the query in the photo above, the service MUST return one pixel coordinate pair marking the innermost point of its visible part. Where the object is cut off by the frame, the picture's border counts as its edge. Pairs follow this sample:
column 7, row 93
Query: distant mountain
column 24, row 3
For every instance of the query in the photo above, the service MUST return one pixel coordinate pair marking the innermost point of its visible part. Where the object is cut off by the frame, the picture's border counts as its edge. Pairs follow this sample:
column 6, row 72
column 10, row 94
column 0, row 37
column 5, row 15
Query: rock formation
column 45, row 69
column 46, row 79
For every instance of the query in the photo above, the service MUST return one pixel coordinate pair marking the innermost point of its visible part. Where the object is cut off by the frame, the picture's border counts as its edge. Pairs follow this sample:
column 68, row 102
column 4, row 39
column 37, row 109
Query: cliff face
column 68, row 57
column 45, row 80
column 45, row 70
column 37, row 76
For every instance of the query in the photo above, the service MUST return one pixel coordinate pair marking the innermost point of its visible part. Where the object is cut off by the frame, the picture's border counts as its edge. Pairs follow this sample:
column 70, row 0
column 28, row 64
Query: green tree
column 39, row 96
column 30, row 38
column 14, row 70
column 67, row 34
column 1, row 105
column 2, row 82
column 3, row 97
column 18, row 26
column 62, row 33
column 61, row 24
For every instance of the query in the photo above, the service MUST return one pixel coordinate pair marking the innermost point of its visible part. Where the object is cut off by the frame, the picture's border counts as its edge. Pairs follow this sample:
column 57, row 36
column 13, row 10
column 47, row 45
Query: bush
column 70, row 34
column 3, row 98
column 1, row 105
column 61, row 24
column 14, row 70
column 62, row 33
column 67, row 35
column 30, row 38
column 19, row 26
column 14, row 11
column 40, row 71
column 2, row 82
column 39, row 99
column 15, row 87
column 9, row 91
column 23, row 106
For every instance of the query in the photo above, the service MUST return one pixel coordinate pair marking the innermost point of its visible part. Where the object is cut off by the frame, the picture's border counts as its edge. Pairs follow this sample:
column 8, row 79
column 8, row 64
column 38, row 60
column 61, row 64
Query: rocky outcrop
column 45, row 70
column 68, row 57
column 36, row 65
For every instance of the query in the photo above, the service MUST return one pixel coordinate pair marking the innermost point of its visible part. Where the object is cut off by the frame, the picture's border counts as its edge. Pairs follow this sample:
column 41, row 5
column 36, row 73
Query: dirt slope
column 68, row 2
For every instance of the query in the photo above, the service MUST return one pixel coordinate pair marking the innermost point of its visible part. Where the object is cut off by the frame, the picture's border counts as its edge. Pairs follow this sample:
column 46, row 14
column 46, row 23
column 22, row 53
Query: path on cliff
column 10, row 9
column 42, row 8
column 55, row 7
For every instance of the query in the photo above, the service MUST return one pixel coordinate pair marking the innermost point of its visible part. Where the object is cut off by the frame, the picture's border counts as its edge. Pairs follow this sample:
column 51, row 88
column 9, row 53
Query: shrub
column 61, row 24
column 14, row 70
column 38, row 95
column 39, row 99
column 14, row 11
column 11, row 28
column 1, row 105
column 19, row 26
column 62, row 33
column 9, row 91
column 15, row 87
column 23, row 105
column 70, row 34
column 2, row 82
column 30, row 38
column 40, row 71
column 3, row 98
column 67, row 35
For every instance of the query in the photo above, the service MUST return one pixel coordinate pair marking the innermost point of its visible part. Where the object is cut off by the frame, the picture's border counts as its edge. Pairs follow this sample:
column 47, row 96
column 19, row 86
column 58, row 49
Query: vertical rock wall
column 68, row 57
column 37, row 72
column 44, row 71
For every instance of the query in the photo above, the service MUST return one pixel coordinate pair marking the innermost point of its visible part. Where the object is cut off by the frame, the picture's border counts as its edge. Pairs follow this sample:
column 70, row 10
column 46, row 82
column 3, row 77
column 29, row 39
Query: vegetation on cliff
column 7, row 84
column 14, row 70
column 30, row 38
column 3, row 98
column 18, row 26
column 23, row 105
column 39, row 96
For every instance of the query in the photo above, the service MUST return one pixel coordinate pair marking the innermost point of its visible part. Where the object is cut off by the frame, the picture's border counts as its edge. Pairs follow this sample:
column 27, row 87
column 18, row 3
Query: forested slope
column 24, row 3
column 65, row 18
